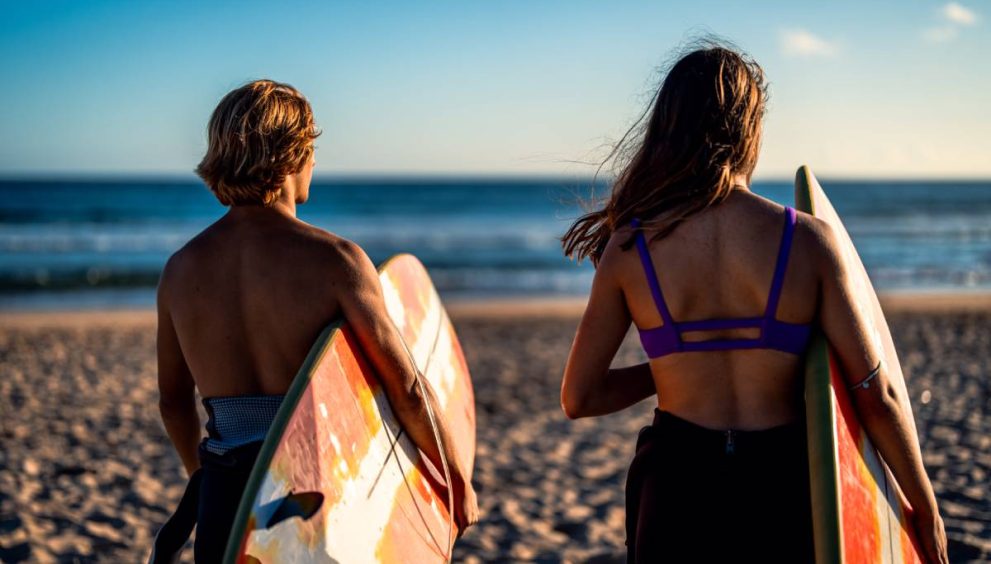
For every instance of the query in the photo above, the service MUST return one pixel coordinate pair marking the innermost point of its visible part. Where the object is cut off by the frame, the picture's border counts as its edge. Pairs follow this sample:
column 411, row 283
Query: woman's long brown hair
column 704, row 128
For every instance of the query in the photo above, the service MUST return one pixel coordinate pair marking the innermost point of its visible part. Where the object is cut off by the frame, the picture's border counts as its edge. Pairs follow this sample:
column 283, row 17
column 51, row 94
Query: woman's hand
column 932, row 536
column 465, row 506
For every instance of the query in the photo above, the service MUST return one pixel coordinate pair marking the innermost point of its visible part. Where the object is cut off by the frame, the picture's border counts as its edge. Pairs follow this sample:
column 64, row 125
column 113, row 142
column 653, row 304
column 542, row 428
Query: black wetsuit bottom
column 699, row 495
column 224, row 477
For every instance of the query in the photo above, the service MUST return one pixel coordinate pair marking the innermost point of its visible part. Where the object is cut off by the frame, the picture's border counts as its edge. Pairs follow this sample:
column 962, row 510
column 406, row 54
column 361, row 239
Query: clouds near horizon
column 953, row 16
column 959, row 14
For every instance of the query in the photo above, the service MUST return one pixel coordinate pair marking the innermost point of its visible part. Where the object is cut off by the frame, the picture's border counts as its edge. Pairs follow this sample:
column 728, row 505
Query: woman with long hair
column 725, row 288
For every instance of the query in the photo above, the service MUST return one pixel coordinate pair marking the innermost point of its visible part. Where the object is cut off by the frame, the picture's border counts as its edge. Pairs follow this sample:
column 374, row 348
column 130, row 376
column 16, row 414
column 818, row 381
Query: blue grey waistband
column 234, row 421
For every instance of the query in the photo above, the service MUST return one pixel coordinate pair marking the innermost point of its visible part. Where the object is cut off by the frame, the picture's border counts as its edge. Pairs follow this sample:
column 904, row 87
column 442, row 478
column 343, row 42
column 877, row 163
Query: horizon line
column 445, row 176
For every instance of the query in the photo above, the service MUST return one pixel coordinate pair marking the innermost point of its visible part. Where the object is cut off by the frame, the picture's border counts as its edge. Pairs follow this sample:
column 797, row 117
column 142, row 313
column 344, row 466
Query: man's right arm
column 363, row 306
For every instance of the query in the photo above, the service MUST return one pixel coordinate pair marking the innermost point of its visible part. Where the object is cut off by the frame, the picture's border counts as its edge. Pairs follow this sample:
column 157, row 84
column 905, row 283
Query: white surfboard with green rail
column 858, row 513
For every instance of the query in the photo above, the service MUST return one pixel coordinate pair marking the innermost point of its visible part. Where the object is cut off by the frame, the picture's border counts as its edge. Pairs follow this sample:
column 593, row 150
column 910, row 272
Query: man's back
column 248, row 297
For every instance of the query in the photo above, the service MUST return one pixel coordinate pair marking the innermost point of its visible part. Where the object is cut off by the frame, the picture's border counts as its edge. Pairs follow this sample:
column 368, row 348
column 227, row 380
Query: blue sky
column 858, row 89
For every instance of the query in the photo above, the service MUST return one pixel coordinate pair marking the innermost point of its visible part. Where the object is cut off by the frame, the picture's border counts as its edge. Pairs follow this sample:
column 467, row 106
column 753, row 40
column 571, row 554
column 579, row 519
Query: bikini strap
column 782, row 265
column 648, row 268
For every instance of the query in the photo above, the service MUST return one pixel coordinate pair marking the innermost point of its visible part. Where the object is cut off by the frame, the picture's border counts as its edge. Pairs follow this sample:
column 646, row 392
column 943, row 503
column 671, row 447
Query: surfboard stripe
column 861, row 527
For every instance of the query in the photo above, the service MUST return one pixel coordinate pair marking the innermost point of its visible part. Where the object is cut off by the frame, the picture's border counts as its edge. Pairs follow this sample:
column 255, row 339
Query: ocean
column 83, row 244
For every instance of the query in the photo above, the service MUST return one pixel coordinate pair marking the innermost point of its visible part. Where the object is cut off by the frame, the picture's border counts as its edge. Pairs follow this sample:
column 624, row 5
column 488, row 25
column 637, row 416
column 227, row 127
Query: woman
column 240, row 305
column 718, row 280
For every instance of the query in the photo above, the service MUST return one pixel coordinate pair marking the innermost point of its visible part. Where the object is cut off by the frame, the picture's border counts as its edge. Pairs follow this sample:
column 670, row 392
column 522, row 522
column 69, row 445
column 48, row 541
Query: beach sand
column 87, row 472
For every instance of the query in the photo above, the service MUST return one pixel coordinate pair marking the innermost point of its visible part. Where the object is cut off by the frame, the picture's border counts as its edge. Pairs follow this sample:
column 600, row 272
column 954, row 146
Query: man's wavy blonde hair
column 259, row 134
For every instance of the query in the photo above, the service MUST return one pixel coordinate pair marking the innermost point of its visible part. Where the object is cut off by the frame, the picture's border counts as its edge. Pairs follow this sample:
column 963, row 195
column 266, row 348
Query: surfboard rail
column 823, row 458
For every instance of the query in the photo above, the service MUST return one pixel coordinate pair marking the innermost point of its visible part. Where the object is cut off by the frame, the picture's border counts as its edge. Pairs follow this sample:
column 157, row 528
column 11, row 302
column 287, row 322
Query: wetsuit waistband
column 674, row 429
column 234, row 421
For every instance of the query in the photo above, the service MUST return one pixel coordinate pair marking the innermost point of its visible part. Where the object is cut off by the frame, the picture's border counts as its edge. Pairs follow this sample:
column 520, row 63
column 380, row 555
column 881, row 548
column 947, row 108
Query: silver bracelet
column 866, row 382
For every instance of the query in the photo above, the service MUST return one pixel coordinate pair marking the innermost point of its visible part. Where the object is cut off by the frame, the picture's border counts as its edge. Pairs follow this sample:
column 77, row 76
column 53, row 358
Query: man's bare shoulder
column 180, row 260
column 330, row 246
column 185, row 258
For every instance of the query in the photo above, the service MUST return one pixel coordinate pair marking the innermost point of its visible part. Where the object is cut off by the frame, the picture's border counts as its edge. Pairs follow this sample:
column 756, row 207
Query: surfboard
column 859, row 514
column 337, row 479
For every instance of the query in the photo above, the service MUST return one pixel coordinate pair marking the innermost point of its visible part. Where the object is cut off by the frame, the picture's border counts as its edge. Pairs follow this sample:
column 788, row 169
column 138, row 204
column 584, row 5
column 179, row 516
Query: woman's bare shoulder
column 818, row 240
column 616, row 257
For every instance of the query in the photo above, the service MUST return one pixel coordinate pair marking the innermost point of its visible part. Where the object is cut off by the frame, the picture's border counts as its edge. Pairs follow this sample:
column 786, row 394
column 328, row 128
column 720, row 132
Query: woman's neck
column 741, row 182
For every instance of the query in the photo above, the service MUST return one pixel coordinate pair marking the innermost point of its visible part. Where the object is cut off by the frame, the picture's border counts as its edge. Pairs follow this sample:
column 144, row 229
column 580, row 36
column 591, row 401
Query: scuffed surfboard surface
column 336, row 435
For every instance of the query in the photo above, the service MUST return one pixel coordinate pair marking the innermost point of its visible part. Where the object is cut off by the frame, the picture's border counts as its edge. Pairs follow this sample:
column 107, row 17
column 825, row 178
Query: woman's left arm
column 590, row 387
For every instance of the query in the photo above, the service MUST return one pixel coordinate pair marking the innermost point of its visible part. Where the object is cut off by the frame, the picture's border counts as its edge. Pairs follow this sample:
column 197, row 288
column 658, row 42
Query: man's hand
column 932, row 536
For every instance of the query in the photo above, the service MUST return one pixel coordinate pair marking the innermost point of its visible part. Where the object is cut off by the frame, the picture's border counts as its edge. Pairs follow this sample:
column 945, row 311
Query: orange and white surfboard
column 858, row 513
column 337, row 479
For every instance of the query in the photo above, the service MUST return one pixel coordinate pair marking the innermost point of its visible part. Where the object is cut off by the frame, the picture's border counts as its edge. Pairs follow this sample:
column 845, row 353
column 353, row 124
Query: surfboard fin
column 303, row 505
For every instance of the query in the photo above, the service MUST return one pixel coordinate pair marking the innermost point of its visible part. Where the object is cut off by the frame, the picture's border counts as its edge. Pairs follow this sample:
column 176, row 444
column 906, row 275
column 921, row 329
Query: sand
column 87, row 473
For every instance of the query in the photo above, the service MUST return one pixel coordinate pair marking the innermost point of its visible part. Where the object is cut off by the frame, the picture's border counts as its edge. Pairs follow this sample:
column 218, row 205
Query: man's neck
column 283, row 206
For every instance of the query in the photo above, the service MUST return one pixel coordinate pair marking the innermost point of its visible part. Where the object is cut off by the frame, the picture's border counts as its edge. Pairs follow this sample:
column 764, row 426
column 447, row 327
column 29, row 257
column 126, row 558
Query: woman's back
column 248, row 297
column 719, row 264
column 725, row 288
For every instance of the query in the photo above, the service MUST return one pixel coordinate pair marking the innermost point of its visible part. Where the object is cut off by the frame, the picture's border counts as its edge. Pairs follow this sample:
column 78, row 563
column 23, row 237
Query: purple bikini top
column 774, row 334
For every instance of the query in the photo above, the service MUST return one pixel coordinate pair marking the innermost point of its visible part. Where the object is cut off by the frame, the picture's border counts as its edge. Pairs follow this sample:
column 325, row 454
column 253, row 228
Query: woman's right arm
column 589, row 386
column 879, row 405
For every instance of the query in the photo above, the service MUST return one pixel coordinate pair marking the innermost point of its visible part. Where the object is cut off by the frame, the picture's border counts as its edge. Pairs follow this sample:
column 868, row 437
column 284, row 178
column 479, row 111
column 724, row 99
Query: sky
column 895, row 89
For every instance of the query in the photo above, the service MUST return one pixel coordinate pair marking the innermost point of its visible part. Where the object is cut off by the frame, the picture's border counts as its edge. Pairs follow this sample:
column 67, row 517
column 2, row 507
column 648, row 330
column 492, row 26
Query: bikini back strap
column 782, row 265
column 648, row 268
